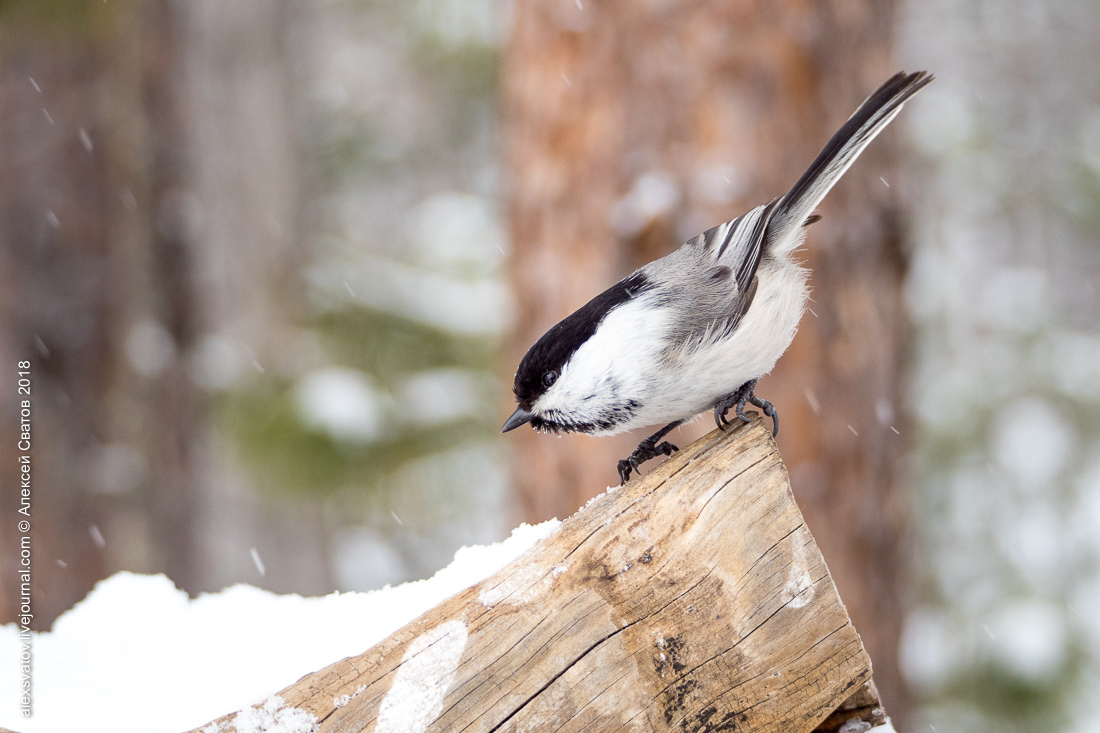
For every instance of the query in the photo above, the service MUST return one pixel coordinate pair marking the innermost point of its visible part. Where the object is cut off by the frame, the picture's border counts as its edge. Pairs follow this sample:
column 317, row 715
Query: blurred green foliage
column 1084, row 209
column 1014, row 704
column 63, row 18
column 389, row 347
column 295, row 458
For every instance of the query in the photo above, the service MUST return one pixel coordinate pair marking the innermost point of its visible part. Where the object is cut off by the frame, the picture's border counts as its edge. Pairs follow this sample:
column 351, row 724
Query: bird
column 696, row 329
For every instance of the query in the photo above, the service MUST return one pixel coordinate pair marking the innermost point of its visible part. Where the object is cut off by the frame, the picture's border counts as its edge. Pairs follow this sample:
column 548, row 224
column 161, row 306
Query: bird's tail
column 795, row 208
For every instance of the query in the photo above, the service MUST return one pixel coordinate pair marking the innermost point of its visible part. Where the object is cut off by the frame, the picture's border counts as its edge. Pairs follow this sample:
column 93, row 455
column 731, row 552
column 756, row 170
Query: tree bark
column 54, row 244
column 633, row 127
column 249, row 186
column 639, row 613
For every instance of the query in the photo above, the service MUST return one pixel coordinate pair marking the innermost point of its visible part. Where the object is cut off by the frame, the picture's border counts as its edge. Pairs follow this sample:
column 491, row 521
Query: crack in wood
column 556, row 677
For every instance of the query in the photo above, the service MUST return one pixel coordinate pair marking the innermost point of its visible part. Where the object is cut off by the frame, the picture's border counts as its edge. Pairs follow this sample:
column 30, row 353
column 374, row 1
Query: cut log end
column 693, row 598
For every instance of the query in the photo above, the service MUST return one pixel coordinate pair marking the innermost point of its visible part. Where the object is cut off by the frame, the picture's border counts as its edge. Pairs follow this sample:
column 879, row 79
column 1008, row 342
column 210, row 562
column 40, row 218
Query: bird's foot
column 648, row 448
column 737, row 400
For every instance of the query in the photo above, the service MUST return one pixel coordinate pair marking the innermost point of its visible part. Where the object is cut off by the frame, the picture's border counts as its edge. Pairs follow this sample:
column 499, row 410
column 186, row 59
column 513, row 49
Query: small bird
column 694, row 330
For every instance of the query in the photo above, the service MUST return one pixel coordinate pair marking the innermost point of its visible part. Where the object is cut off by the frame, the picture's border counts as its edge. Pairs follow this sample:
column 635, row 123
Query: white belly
column 692, row 383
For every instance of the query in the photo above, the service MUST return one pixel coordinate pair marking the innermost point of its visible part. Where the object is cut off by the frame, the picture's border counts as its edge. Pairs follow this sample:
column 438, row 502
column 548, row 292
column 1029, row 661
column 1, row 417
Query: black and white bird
column 694, row 330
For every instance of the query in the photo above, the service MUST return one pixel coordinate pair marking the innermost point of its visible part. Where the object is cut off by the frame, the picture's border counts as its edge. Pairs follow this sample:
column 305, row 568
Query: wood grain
column 693, row 598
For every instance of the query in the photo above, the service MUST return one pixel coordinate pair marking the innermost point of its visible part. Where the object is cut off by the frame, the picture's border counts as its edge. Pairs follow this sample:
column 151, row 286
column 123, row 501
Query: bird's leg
column 648, row 448
column 740, row 397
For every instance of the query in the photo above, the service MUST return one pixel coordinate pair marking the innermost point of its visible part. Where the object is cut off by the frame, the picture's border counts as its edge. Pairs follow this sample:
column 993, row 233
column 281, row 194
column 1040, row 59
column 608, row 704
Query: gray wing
column 711, row 280
column 737, row 244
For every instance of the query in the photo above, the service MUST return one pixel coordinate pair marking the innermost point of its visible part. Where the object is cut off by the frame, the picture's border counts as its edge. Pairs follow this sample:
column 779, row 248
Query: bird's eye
column 549, row 378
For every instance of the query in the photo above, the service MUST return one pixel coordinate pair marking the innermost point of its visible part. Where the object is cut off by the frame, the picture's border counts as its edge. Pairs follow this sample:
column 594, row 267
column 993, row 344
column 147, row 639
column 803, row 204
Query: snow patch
column 598, row 497
column 339, row 702
column 1031, row 638
column 517, row 588
column 799, row 589
column 345, row 403
column 522, row 587
column 427, row 670
column 274, row 716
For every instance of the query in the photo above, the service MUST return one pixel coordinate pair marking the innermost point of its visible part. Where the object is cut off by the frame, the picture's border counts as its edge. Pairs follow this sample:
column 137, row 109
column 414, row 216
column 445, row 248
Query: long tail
column 793, row 210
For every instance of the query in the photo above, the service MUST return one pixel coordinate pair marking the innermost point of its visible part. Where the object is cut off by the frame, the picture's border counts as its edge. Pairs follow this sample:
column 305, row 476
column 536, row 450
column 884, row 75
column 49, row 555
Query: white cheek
column 628, row 339
column 558, row 397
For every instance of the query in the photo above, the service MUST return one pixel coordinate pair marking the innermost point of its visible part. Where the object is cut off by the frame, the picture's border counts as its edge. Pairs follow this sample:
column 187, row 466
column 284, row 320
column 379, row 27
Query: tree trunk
column 248, row 188
column 100, row 301
column 56, row 206
column 150, row 199
column 633, row 127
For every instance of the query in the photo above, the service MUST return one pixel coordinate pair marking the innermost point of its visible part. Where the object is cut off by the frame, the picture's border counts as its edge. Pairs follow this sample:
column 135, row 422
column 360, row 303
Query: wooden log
column 693, row 598
column 861, row 712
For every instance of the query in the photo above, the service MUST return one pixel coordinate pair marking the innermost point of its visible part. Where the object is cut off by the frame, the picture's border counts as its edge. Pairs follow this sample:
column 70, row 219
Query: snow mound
column 138, row 656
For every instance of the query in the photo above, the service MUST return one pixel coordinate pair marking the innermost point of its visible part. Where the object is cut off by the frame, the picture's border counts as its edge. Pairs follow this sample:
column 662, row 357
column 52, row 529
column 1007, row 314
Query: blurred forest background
column 274, row 263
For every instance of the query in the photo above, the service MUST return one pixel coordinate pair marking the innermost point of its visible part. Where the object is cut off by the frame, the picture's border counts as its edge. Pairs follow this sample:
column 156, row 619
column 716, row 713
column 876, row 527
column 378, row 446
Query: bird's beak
column 519, row 417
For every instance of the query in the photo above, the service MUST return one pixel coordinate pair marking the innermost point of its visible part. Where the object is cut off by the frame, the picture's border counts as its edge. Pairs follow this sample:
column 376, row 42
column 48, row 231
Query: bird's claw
column 626, row 465
column 737, row 400
column 769, row 410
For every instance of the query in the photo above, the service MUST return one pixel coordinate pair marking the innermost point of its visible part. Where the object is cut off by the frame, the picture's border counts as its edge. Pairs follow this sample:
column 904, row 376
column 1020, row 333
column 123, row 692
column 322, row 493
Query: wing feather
column 722, row 264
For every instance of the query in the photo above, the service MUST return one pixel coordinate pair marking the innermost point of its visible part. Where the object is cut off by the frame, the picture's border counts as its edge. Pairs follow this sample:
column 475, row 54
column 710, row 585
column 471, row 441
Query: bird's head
column 542, row 383
column 565, row 381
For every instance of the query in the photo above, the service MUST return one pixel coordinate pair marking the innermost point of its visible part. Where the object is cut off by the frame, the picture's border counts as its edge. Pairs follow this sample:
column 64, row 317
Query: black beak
column 519, row 417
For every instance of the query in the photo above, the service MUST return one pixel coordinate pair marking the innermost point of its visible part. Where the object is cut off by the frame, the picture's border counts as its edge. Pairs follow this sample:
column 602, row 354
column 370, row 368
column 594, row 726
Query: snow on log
column 693, row 598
